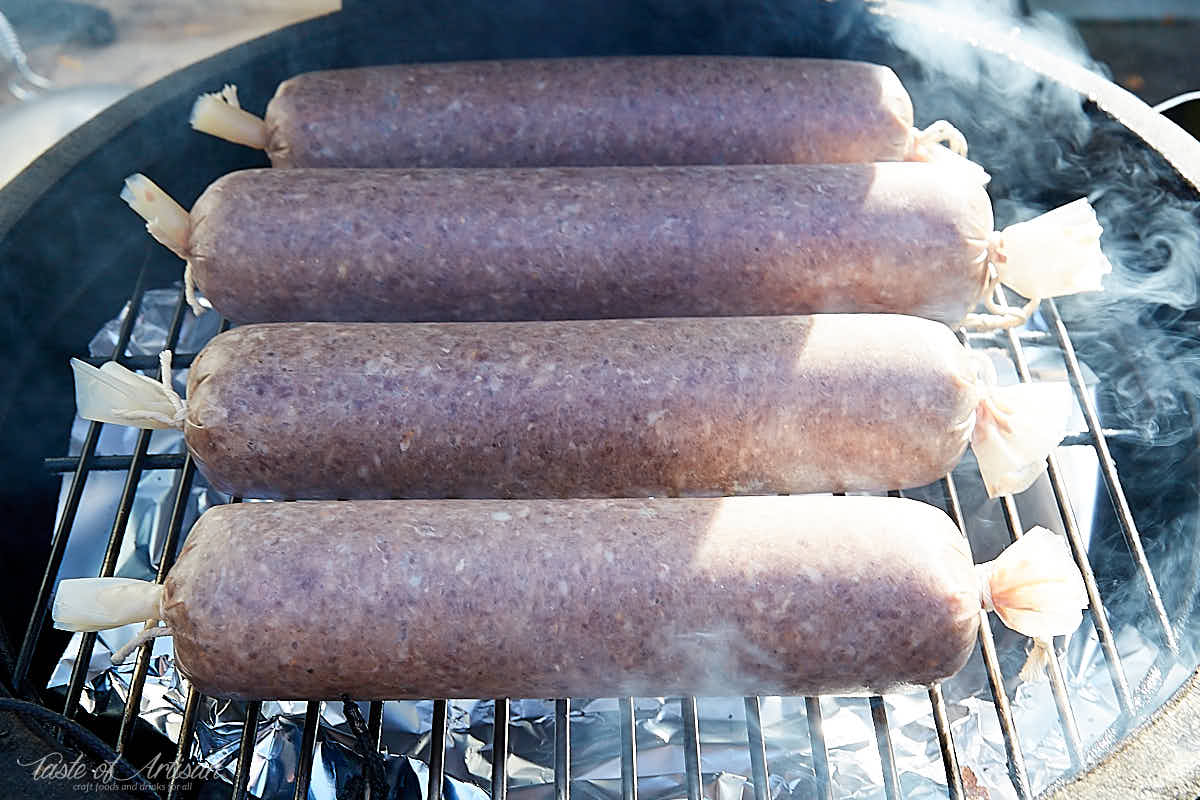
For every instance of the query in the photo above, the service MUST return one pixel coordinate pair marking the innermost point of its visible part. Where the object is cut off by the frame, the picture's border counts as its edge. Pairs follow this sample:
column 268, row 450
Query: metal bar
column 312, row 717
column 1070, row 522
column 1017, row 772
column 58, row 544
column 108, row 563
column 437, row 751
column 1058, row 685
column 170, row 545
column 883, row 741
column 1108, row 470
column 152, row 461
column 691, row 748
column 995, row 338
column 820, row 753
column 178, row 360
column 1108, row 644
column 562, row 749
column 629, row 787
column 241, row 775
column 500, row 749
column 375, row 724
column 1066, row 715
column 187, row 729
column 374, row 735
column 758, row 749
column 941, row 723
column 1119, row 435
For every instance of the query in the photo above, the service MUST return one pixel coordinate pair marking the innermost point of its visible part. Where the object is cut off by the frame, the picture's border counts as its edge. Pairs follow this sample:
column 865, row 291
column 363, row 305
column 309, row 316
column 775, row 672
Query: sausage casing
column 464, row 245
column 591, row 112
column 396, row 599
column 734, row 405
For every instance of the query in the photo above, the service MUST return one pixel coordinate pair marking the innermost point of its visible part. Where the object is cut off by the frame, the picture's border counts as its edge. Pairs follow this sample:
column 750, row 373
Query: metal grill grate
column 140, row 461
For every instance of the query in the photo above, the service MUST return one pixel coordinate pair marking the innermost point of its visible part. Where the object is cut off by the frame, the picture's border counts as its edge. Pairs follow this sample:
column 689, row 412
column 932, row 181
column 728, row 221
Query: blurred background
column 62, row 61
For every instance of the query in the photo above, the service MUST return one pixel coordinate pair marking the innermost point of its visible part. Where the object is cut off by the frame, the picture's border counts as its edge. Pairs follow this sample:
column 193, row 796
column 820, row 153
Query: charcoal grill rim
column 1182, row 152
column 1167, row 730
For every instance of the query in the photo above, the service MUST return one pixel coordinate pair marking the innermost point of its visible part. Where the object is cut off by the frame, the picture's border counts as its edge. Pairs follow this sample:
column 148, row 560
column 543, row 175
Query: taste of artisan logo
column 115, row 774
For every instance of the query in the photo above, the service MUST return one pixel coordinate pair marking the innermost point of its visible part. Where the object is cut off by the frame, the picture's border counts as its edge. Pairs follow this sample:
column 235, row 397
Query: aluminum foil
column 854, row 759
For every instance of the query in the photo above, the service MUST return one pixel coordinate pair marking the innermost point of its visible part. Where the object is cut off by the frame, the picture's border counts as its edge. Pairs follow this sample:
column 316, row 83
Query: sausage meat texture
column 581, row 112
column 398, row 599
column 465, row 245
column 610, row 408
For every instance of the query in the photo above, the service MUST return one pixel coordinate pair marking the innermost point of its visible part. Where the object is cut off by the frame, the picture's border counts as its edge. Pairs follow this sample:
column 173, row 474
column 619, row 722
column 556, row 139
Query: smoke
column 1045, row 145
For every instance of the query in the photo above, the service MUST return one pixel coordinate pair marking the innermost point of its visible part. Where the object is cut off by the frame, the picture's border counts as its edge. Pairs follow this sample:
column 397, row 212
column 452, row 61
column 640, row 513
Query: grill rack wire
column 139, row 461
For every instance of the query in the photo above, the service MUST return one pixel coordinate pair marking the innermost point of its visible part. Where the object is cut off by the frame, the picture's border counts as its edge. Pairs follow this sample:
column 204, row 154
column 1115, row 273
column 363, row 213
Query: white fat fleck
column 455, row 106
column 425, row 371
column 373, row 366
column 523, row 512
column 609, row 556
column 648, row 513
column 655, row 416
column 563, row 588
column 415, row 580
column 501, row 516
column 341, row 270
column 461, row 565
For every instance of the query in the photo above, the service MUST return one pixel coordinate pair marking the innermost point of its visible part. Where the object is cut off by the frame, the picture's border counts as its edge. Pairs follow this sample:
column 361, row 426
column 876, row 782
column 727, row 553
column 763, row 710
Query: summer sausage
column 469, row 598
column 722, row 405
column 581, row 112
column 464, row 245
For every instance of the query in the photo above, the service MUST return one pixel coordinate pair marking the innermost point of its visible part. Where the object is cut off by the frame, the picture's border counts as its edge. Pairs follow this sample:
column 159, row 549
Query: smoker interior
column 73, row 255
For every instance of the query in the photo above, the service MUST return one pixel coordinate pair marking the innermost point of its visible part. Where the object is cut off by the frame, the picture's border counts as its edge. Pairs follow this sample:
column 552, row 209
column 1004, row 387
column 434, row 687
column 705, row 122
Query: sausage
column 466, row 245
column 608, row 408
column 561, row 598
column 722, row 405
column 581, row 112
column 629, row 593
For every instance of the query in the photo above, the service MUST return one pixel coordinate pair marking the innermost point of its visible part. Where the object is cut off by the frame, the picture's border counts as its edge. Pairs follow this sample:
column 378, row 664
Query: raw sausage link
column 591, row 112
column 396, row 599
column 730, row 405
column 461, row 245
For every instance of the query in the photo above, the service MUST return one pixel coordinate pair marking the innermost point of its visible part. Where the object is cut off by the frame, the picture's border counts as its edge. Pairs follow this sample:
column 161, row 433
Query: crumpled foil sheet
column 854, row 760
